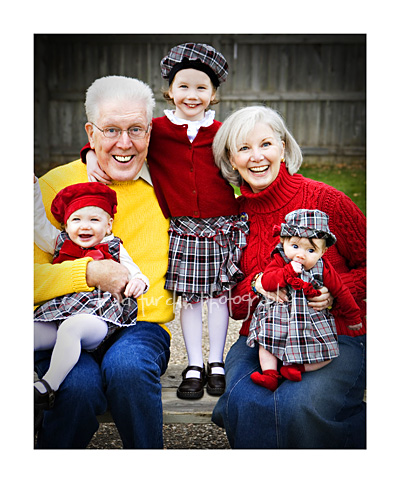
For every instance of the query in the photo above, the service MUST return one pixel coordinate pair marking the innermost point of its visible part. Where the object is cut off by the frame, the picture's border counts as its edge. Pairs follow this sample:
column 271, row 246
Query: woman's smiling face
column 258, row 158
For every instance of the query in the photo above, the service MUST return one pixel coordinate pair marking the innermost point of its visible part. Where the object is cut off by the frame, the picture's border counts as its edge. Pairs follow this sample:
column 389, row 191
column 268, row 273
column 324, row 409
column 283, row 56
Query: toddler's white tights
column 192, row 330
column 81, row 331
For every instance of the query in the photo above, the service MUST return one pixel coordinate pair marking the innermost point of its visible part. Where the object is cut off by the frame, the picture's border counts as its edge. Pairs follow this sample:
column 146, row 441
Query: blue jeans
column 324, row 410
column 126, row 380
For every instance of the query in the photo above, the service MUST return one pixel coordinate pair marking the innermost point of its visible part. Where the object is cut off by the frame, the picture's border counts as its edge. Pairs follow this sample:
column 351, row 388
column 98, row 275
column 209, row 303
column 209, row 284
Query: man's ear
column 89, row 131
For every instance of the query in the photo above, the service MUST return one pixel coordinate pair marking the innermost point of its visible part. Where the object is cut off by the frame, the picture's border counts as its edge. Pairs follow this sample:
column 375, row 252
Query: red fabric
column 268, row 208
column 279, row 273
column 185, row 178
column 77, row 196
column 72, row 251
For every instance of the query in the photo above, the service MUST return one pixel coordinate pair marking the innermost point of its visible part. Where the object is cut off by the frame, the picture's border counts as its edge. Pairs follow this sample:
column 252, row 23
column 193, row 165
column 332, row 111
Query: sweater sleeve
column 344, row 301
column 84, row 151
column 276, row 274
column 350, row 230
column 60, row 279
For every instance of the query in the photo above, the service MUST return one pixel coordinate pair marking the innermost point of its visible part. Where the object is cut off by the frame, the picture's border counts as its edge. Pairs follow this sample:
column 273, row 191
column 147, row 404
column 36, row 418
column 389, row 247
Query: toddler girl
column 302, row 338
column 207, row 234
column 79, row 320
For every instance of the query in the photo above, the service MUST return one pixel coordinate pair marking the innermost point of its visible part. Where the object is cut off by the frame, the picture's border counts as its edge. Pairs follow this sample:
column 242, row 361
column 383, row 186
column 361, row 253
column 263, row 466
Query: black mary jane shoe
column 43, row 402
column 192, row 387
column 215, row 382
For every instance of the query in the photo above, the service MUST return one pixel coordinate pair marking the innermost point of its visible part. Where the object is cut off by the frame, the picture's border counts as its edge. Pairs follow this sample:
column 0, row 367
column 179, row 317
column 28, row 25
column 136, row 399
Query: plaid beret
column 77, row 196
column 308, row 224
column 195, row 56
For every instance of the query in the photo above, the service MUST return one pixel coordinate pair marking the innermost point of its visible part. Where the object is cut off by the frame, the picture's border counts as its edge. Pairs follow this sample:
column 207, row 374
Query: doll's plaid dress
column 294, row 332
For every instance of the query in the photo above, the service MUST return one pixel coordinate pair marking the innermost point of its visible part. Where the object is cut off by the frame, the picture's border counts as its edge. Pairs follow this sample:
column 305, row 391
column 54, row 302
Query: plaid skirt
column 294, row 332
column 204, row 256
column 98, row 303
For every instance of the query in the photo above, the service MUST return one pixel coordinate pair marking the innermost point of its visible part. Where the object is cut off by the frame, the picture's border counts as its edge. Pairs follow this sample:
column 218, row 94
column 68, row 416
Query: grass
column 349, row 178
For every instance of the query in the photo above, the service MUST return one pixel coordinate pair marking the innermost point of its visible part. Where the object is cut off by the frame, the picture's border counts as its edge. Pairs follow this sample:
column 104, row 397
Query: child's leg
column 269, row 364
column 316, row 366
column 218, row 320
column 192, row 330
column 267, row 360
column 79, row 331
column 45, row 335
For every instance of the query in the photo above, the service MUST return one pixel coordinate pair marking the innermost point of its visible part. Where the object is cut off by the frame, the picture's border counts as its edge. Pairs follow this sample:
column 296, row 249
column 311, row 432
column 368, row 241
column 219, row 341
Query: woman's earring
column 282, row 160
column 233, row 167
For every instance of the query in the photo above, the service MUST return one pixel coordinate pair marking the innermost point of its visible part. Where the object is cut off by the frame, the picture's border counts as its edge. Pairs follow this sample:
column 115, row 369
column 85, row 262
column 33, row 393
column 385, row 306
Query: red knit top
column 186, row 180
column 269, row 207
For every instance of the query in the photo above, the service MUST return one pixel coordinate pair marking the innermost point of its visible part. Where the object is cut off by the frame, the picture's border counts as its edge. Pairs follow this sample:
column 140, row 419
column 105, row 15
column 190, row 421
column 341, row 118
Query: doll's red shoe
column 268, row 379
column 292, row 372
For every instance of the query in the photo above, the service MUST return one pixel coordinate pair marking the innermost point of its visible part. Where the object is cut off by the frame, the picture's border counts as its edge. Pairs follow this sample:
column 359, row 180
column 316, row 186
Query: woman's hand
column 94, row 172
column 323, row 301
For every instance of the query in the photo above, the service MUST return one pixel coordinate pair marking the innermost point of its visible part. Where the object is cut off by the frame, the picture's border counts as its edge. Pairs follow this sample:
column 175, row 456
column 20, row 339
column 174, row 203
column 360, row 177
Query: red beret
column 77, row 196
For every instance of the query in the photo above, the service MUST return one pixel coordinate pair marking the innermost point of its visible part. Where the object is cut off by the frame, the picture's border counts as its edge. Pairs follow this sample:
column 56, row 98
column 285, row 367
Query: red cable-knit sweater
column 269, row 208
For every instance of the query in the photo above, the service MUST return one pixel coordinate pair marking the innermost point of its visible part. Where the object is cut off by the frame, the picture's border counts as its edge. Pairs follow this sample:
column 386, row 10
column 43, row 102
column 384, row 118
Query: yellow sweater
column 140, row 224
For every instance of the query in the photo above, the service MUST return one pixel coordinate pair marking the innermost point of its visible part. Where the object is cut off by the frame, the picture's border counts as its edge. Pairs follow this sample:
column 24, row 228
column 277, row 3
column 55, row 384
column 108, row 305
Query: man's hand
column 107, row 275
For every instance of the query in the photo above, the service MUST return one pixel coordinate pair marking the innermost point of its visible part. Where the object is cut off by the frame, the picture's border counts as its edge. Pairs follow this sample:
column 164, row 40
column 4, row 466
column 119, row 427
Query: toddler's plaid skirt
column 293, row 331
column 204, row 256
column 98, row 303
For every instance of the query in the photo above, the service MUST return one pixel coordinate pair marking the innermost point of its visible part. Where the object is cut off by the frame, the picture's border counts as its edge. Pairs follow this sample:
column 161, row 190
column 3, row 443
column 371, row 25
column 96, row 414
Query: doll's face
column 88, row 226
column 302, row 250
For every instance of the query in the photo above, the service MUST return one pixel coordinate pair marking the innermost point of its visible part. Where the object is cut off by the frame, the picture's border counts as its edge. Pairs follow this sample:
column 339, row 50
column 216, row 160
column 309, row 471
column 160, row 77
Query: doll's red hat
column 77, row 196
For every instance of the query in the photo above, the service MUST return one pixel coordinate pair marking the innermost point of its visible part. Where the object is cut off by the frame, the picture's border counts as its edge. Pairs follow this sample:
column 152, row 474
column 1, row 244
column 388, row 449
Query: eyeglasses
column 134, row 132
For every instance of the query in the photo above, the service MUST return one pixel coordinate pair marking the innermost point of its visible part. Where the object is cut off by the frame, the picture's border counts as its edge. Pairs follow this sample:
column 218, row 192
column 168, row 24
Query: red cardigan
column 279, row 273
column 185, row 178
column 269, row 207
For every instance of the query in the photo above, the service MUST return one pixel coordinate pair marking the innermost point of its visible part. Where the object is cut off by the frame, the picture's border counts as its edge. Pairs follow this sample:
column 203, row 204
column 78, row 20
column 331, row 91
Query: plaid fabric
column 204, row 256
column 192, row 52
column 293, row 331
column 308, row 224
column 99, row 303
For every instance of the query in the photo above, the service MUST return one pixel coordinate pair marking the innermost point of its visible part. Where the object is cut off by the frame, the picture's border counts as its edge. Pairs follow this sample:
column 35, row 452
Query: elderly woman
column 255, row 151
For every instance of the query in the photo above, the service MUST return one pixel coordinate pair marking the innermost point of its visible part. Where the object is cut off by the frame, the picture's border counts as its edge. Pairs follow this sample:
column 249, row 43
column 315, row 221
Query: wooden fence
column 317, row 82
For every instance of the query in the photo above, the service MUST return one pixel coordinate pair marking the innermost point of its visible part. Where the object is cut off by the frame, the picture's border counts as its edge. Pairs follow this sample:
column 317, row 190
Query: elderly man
column 123, row 375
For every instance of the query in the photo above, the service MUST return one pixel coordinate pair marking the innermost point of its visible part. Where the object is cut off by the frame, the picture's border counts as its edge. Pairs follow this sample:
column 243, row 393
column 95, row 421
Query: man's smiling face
column 121, row 158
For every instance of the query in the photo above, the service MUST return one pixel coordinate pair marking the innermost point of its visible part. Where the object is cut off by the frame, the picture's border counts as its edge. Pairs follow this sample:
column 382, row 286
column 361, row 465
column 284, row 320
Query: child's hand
column 355, row 327
column 95, row 173
column 34, row 178
column 135, row 288
column 297, row 267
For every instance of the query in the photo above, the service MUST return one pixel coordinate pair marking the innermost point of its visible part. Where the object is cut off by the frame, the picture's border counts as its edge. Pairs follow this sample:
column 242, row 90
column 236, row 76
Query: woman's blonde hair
column 235, row 130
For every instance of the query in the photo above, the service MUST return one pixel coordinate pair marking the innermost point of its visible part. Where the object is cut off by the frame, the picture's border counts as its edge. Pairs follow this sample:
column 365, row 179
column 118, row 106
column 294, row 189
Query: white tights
column 192, row 330
column 81, row 331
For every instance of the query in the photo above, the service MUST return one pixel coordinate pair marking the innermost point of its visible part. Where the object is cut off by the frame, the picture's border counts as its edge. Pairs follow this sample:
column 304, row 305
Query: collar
column 192, row 126
column 144, row 173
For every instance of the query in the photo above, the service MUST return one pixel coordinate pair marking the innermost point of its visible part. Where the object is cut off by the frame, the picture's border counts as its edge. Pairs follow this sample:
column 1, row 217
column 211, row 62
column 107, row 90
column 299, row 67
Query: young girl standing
column 207, row 234
column 302, row 338
column 81, row 320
